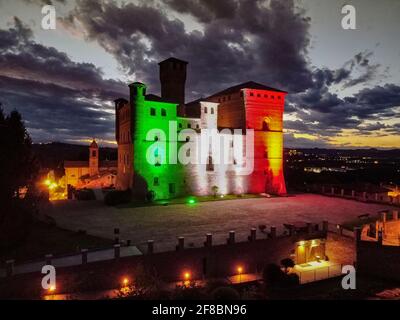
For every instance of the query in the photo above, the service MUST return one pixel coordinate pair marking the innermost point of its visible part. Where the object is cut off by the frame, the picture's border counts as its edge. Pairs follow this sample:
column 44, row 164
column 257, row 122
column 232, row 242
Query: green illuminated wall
column 166, row 180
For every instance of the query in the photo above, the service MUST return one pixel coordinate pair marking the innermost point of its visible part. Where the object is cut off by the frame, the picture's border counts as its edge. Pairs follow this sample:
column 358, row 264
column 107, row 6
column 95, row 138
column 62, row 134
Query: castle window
column 163, row 112
column 93, row 153
column 234, row 162
column 188, row 152
column 171, row 188
column 156, row 181
column 210, row 164
column 265, row 126
column 212, row 110
column 197, row 126
column 205, row 109
column 180, row 125
column 259, row 95
column 189, row 125
column 251, row 94
column 265, row 96
column 187, row 139
column 152, row 111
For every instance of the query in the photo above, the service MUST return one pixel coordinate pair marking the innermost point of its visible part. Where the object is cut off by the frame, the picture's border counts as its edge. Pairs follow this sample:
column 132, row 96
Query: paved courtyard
column 164, row 224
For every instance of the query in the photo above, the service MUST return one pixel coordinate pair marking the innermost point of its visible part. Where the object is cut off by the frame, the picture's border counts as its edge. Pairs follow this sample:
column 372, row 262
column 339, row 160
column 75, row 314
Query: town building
column 246, row 106
column 91, row 173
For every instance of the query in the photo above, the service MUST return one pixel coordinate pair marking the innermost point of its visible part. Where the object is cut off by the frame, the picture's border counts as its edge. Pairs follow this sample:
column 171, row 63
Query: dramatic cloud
column 52, row 92
column 239, row 40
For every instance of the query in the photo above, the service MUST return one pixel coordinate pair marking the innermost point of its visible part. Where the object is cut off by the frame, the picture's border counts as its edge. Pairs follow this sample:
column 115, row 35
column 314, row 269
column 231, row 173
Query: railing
column 319, row 273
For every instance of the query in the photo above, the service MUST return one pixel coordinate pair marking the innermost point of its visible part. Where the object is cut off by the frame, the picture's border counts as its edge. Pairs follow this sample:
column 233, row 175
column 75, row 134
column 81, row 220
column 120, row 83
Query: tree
column 18, row 169
column 214, row 190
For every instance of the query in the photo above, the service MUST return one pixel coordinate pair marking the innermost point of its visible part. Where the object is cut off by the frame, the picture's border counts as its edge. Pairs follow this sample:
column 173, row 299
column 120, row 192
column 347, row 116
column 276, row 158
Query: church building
column 91, row 173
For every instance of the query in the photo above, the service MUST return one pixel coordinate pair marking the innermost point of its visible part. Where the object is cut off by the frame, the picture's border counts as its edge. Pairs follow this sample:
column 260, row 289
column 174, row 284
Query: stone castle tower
column 93, row 158
column 173, row 78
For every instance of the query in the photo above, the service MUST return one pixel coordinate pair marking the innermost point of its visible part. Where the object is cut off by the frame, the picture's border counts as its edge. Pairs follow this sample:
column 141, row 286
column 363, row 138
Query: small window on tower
column 152, row 111
column 210, row 164
column 189, row 125
column 180, row 126
column 94, row 153
column 212, row 110
column 163, row 112
column 156, row 182
column 251, row 94
column 205, row 109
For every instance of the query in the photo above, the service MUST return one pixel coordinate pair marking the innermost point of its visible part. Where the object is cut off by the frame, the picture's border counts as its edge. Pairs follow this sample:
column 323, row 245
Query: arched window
column 205, row 110
column 265, row 126
column 163, row 112
column 212, row 110
column 210, row 164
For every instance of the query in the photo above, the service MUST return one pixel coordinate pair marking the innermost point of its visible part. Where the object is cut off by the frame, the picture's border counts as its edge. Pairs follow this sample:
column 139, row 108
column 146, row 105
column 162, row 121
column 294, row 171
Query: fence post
column 84, row 254
column 231, row 239
column 48, row 258
column 181, row 243
column 117, row 252
column 9, row 268
column 273, row 232
column 150, row 246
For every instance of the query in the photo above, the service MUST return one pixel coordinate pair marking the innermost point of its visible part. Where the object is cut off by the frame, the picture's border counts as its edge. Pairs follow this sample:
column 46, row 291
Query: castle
column 247, row 107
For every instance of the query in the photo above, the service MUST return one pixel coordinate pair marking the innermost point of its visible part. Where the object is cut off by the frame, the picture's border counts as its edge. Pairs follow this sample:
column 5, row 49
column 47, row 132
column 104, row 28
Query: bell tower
column 93, row 158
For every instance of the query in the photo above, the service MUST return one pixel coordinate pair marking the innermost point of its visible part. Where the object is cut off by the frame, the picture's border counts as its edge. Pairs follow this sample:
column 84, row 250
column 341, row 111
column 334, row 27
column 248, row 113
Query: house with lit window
column 249, row 105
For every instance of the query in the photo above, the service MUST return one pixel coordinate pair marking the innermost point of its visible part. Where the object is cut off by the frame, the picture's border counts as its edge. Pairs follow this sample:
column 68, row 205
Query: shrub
column 116, row 197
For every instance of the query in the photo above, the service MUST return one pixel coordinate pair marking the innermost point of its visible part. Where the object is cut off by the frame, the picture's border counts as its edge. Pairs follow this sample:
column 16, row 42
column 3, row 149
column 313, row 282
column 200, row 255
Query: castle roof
column 172, row 59
column 245, row 85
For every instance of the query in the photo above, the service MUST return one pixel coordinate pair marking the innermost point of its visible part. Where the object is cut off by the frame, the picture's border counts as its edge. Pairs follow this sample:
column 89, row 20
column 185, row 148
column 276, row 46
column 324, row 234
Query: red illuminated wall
column 261, row 110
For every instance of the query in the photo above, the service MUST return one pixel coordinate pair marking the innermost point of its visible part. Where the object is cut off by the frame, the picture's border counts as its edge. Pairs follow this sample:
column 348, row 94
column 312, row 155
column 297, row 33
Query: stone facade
column 246, row 106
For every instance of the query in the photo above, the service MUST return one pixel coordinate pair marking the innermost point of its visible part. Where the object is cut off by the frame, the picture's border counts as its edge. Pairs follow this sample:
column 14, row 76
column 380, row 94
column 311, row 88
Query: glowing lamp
column 186, row 276
column 239, row 270
column 125, row 282
column 47, row 182
column 302, row 243
column 52, row 289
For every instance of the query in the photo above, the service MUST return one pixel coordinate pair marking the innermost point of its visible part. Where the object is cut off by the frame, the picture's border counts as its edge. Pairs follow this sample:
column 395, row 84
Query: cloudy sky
column 344, row 85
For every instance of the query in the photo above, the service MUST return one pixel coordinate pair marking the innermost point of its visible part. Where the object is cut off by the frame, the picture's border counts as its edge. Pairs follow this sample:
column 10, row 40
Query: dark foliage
column 18, row 170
